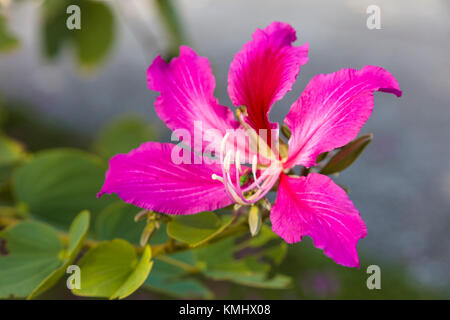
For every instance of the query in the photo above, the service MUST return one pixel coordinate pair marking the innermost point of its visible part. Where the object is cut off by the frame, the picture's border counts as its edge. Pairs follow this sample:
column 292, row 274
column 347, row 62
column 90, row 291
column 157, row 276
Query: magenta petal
column 187, row 101
column 148, row 178
column 264, row 70
column 332, row 109
column 315, row 206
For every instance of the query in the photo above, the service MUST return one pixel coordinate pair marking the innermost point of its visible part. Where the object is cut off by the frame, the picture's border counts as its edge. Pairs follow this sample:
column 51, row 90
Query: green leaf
column 257, row 280
column 57, row 184
column 347, row 155
column 112, row 270
column 167, row 12
column 173, row 278
column 196, row 229
column 137, row 278
column 117, row 221
column 11, row 153
column 321, row 157
column 271, row 246
column 77, row 233
column 92, row 42
column 33, row 252
column 54, row 29
column 123, row 135
column 220, row 257
column 8, row 41
column 218, row 261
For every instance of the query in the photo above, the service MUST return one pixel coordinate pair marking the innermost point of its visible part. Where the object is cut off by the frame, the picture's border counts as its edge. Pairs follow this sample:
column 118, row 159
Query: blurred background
column 59, row 90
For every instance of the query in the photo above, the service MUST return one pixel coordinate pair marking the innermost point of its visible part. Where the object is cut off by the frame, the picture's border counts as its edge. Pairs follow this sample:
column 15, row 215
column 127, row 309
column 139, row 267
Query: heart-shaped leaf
column 77, row 233
column 113, row 270
column 33, row 252
column 196, row 229
column 56, row 185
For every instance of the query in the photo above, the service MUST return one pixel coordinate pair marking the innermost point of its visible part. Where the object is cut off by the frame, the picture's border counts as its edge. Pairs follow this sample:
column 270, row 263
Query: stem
column 179, row 264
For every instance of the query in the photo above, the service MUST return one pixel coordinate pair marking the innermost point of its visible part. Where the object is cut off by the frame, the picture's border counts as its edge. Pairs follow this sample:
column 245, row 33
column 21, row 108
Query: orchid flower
column 328, row 114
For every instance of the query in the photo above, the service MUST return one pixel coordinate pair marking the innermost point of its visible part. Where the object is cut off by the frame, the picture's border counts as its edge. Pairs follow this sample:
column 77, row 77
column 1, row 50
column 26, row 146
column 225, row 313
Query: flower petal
column 315, row 206
column 148, row 178
column 187, row 101
column 264, row 70
column 332, row 109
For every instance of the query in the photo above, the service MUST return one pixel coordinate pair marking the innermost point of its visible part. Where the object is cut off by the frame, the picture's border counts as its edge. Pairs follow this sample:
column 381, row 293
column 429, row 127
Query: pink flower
column 328, row 114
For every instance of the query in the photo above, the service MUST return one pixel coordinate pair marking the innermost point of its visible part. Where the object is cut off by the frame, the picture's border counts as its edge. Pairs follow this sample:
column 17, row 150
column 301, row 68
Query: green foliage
column 196, row 229
column 171, row 275
column 36, row 257
column 117, row 221
column 113, row 270
column 347, row 155
column 57, row 184
column 11, row 154
column 218, row 261
column 8, row 41
column 169, row 16
column 77, row 233
column 11, row 151
column 122, row 135
column 33, row 246
column 92, row 42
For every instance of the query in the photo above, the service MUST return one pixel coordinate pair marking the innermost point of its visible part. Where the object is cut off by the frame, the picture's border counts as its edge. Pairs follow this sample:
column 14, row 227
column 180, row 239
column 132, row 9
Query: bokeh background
column 401, row 184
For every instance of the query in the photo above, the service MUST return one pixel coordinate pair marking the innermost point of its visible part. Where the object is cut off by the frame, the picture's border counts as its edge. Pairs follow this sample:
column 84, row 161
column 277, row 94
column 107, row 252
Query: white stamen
column 254, row 164
column 224, row 142
column 227, row 162
column 238, row 162
column 216, row 177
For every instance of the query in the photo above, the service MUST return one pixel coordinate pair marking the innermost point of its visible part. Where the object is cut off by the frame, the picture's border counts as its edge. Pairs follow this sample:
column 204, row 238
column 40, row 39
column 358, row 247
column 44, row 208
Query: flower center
column 253, row 190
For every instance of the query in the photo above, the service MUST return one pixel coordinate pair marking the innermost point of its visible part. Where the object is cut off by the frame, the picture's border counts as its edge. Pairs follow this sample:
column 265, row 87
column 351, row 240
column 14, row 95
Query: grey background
column 401, row 184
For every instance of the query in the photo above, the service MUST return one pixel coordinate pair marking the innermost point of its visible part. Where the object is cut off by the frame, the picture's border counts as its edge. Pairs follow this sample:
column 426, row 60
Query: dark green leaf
column 347, row 155
column 218, row 261
column 34, row 251
column 77, row 233
column 168, row 14
column 57, row 184
column 11, row 153
column 117, row 221
column 173, row 278
column 321, row 157
column 92, row 42
column 8, row 41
